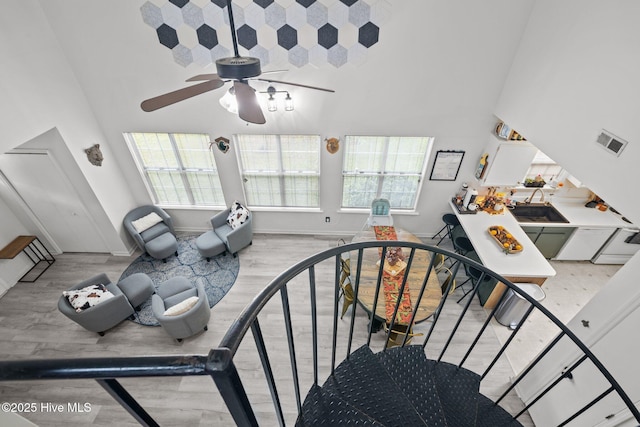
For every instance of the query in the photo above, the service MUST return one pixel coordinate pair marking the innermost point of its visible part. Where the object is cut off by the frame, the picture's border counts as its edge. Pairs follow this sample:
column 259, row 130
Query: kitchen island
column 526, row 266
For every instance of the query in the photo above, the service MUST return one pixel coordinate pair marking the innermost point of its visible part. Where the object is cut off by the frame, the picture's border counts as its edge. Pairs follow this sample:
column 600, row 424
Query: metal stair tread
column 324, row 409
column 458, row 389
column 492, row 415
column 362, row 381
column 412, row 372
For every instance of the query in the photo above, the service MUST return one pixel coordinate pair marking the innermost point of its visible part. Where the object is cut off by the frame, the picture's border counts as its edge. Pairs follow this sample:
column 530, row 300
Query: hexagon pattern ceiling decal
column 302, row 32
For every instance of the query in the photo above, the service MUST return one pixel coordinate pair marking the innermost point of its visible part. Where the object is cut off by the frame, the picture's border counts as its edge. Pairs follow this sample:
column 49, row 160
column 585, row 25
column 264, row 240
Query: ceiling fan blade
column 295, row 84
column 248, row 107
column 203, row 77
column 153, row 104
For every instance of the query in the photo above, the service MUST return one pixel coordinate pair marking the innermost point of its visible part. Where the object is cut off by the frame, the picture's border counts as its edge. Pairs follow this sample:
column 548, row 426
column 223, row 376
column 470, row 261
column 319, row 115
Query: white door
column 48, row 193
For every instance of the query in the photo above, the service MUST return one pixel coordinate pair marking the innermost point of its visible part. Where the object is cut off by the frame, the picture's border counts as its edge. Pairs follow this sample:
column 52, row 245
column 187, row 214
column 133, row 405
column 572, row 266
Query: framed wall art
column 446, row 165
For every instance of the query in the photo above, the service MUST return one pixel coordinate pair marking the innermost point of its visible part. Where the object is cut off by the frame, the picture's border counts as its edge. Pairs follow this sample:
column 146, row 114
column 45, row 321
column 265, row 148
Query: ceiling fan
column 238, row 69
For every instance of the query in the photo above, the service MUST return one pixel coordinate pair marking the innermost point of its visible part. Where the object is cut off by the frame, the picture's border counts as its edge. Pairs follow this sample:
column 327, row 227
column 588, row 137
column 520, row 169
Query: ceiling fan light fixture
column 229, row 101
column 288, row 103
column 272, row 105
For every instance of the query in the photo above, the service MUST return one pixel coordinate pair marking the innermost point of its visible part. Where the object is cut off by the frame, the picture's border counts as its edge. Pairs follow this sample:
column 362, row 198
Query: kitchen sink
column 537, row 212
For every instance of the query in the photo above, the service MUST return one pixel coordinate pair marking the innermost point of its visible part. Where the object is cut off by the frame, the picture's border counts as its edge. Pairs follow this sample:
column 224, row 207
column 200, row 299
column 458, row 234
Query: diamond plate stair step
column 323, row 409
column 413, row 374
column 458, row 389
column 492, row 415
column 363, row 382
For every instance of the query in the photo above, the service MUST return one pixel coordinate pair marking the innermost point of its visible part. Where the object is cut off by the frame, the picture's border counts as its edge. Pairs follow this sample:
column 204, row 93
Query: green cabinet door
column 532, row 232
column 551, row 240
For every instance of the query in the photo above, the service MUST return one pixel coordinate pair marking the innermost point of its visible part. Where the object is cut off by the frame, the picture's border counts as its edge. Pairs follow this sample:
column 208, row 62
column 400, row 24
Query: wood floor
column 31, row 327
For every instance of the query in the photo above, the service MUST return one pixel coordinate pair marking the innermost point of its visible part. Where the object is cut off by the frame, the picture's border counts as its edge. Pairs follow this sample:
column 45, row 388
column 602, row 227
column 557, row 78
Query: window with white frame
column 544, row 166
column 280, row 170
column 389, row 167
column 178, row 168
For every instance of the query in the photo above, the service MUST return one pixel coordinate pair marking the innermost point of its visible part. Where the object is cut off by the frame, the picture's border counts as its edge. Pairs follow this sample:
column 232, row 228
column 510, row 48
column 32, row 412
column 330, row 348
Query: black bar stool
column 462, row 245
column 450, row 221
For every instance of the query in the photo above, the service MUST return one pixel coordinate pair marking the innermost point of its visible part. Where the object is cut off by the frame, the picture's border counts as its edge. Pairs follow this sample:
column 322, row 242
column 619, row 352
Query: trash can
column 513, row 307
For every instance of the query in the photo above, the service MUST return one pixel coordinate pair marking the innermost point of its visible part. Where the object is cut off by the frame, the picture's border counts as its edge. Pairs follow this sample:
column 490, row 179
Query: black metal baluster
column 464, row 312
column 586, row 408
column 336, row 296
column 403, row 285
column 292, row 349
column 122, row 396
column 436, row 314
column 355, row 298
column 506, row 344
column 224, row 373
column 266, row 367
column 314, row 321
column 372, row 316
column 482, row 329
column 420, row 295
column 564, row 375
column 531, row 366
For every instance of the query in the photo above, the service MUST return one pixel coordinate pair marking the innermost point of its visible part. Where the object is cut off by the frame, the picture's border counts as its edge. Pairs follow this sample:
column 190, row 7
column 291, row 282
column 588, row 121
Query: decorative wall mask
column 222, row 143
column 94, row 155
column 333, row 145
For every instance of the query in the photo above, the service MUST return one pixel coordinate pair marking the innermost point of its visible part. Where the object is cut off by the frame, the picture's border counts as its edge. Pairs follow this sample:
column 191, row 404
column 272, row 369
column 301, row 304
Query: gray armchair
column 233, row 238
column 173, row 292
column 102, row 316
column 158, row 240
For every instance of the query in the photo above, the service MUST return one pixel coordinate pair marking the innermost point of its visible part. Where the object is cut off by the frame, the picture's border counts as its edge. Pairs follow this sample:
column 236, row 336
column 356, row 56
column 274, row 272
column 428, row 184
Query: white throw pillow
column 146, row 222
column 238, row 214
column 92, row 295
column 181, row 307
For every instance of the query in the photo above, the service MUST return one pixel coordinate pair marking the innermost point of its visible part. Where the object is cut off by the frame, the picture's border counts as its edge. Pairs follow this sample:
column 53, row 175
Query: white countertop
column 528, row 263
column 581, row 216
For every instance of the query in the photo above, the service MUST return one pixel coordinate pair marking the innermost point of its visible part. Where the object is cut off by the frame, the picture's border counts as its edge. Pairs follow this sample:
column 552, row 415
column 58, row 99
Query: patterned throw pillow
column 81, row 299
column 238, row 214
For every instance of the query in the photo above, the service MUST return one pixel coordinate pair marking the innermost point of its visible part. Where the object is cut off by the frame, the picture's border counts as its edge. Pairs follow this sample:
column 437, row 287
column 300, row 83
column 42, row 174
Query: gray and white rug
column 217, row 275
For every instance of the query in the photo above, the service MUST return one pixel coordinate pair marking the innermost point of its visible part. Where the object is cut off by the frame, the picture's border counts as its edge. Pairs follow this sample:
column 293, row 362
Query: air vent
column 611, row 143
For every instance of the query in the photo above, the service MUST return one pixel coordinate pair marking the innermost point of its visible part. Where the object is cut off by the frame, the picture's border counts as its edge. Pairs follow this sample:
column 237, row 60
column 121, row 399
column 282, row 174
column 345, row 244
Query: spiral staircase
column 409, row 381
column 424, row 393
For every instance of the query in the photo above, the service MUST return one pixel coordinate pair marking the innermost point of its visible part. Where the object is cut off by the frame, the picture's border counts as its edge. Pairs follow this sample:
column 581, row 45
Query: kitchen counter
column 580, row 216
column 528, row 266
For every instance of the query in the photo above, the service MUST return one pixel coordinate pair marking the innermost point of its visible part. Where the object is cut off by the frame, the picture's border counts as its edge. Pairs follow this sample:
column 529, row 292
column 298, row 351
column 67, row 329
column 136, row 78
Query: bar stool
column 462, row 245
column 450, row 221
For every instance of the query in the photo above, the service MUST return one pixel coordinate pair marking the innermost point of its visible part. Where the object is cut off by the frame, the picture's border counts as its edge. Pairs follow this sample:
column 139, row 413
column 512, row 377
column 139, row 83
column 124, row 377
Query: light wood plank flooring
column 32, row 327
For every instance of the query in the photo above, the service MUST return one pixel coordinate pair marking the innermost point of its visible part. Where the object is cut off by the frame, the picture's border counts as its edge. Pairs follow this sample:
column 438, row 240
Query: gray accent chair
column 159, row 240
column 172, row 292
column 103, row 316
column 234, row 239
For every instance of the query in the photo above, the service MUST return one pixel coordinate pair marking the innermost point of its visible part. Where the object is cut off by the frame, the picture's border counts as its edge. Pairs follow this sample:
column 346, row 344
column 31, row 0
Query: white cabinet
column 507, row 162
column 584, row 244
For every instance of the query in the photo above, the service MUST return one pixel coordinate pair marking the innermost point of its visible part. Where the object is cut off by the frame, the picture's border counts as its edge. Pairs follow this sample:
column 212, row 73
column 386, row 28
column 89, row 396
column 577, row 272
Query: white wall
column 437, row 71
column 575, row 73
column 39, row 92
column 10, row 270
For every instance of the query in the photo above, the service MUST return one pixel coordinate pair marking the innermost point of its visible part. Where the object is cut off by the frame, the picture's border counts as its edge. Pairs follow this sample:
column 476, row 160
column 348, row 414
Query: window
column 544, row 166
column 280, row 170
column 179, row 168
column 387, row 167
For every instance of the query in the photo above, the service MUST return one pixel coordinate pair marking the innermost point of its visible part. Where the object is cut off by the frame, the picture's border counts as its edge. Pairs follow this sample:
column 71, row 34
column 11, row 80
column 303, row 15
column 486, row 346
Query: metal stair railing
column 321, row 273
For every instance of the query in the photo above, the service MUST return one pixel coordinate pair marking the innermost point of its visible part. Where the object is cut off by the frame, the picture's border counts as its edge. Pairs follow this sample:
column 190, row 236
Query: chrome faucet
column 530, row 199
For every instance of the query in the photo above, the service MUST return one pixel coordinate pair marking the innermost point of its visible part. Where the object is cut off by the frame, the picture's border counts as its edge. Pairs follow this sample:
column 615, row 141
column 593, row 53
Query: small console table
column 33, row 248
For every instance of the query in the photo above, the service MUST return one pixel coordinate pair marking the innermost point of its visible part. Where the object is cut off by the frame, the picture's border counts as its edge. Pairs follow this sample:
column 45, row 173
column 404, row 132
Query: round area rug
column 217, row 275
